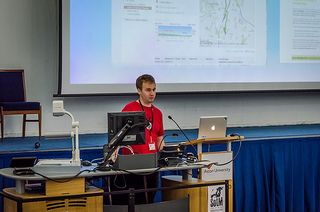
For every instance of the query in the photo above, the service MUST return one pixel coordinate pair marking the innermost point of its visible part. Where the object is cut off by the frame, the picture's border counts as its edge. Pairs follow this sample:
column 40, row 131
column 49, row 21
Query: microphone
column 174, row 134
column 179, row 128
column 184, row 134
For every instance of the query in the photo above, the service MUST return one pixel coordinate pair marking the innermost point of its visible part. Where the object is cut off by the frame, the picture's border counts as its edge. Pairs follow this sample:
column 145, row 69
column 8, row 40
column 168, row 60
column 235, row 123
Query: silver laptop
column 212, row 127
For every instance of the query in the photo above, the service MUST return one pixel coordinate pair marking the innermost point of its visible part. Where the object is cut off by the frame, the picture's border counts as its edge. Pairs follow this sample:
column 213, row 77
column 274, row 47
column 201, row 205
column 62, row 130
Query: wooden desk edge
column 40, row 194
column 215, row 140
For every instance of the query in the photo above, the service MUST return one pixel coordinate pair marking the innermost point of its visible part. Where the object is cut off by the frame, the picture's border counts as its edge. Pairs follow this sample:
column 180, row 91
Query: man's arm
column 160, row 142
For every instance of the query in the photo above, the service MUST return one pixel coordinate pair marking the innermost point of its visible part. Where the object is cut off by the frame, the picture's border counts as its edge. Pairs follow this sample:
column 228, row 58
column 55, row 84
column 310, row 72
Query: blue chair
column 13, row 99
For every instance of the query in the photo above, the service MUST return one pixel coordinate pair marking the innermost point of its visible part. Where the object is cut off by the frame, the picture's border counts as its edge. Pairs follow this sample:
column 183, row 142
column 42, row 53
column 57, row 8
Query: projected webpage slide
column 299, row 31
column 177, row 41
column 188, row 32
column 190, row 45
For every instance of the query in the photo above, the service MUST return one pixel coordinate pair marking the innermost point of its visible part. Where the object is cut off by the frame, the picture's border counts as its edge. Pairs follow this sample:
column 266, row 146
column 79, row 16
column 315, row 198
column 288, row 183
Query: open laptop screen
column 212, row 127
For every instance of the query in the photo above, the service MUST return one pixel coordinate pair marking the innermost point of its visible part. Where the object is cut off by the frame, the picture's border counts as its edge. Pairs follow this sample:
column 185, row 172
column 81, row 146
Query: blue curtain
column 277, row 175
column 273, row 175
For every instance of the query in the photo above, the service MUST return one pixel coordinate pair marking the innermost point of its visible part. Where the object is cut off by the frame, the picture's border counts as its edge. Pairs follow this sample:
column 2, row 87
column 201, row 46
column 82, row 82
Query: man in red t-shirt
column 146, row 88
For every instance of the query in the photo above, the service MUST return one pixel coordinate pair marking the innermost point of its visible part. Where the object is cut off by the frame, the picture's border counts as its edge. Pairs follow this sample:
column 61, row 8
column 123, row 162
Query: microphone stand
column 197, row 158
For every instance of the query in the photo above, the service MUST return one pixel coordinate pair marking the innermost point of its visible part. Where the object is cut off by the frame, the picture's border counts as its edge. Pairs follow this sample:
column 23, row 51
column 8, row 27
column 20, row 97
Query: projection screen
column 189, row 45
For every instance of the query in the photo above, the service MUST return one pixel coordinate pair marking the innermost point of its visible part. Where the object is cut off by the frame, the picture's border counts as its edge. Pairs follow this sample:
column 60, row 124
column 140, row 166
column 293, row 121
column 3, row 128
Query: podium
column 200, row 196
column 54, row 189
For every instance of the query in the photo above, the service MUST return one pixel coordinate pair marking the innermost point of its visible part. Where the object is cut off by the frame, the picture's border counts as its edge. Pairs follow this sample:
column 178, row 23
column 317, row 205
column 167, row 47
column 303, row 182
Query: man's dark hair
column 144, row 78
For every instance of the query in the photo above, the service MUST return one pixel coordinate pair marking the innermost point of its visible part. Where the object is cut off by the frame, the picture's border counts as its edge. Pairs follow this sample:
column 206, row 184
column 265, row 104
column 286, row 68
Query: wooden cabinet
column 54, row 189
column 198, row 196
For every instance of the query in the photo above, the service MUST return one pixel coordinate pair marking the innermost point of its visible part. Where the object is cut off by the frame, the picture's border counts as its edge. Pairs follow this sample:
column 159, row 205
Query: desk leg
column 187, row 174
column 199, row 149
column 109, row 190
column 20, row 186
column 145, row 187
column 229, row 146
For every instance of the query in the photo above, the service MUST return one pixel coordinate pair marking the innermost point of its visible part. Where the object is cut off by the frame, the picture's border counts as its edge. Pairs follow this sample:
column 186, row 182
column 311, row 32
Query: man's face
column 148, row 92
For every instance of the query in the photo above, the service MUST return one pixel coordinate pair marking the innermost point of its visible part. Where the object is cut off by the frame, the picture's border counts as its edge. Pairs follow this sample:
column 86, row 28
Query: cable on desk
column 96, row 159
column 141, row 173
column 88, row 180
column 63, row 181
column 124, row 180
column 222, row 164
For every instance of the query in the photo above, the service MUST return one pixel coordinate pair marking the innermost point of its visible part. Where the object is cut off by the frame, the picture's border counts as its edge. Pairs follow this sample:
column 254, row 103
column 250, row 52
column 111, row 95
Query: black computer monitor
column 124, row 128
column 135, row 135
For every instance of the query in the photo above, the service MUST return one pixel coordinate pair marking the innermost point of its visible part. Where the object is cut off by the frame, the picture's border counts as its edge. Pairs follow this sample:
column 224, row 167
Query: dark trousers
column 126, row 181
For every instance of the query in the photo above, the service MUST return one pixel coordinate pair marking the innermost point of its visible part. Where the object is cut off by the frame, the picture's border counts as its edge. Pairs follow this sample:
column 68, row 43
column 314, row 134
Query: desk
column 76, row 186
column 79, row 204
column 227, row 140
column 199, row 196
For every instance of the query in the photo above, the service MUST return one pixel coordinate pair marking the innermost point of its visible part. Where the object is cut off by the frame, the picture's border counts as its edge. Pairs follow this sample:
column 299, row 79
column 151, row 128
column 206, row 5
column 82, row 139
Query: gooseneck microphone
column 179, row 128
column 162, row 140
column 183, row 134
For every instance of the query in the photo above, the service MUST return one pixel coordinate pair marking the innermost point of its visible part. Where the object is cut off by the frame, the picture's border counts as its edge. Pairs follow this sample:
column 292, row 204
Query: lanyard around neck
column 146, row 117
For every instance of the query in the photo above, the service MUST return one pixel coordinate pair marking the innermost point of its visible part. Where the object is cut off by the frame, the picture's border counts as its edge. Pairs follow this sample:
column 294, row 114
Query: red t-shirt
column 156, row 131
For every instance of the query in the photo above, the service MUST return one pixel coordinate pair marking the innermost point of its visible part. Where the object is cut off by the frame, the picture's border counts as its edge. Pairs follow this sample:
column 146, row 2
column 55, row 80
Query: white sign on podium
column 217, row 172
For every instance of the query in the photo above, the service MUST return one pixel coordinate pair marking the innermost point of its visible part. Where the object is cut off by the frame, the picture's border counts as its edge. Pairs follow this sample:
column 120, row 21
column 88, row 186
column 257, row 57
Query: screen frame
column 117, row 120
column 215, row 88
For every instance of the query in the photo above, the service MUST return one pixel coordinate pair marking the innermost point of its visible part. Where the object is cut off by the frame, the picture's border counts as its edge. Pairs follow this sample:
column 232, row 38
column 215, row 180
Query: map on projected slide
column 189, row 33
column 227, row 23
